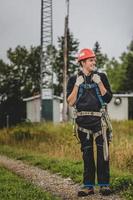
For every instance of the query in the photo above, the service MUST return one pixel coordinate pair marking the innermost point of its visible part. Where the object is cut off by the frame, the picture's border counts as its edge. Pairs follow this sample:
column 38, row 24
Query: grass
column 13, row 187
column 67, row 168
column 53, row 147
column 121, row 148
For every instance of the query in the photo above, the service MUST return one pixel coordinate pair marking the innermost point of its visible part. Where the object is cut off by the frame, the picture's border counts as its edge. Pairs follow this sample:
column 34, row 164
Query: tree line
column 20, row 77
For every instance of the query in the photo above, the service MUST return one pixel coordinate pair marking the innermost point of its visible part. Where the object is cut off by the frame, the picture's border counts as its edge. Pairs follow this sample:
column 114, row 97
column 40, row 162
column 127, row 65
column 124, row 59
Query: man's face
column 89, row 64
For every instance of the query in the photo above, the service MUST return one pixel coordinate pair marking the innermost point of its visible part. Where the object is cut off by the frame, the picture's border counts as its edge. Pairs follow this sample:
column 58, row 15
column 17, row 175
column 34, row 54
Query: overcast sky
column 107, row 21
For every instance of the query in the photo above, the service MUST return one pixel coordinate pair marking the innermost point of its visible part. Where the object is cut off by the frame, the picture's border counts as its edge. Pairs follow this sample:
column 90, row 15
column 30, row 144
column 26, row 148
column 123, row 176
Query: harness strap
column 90, row 113
column 95, row 135
column 99, row 96
column 105, row 142
column 89, row 132
column 90, row 86
column 85, row 86
column 84, row 130
column 75, row 129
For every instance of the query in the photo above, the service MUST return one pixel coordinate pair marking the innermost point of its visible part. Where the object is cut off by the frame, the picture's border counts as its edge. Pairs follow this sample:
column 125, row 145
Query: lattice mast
column 46, row 43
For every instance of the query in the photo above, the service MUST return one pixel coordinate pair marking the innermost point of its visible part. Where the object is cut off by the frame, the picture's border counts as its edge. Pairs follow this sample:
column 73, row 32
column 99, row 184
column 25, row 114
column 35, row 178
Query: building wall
column 33, row 110
column 56, row 110
column 118, row 112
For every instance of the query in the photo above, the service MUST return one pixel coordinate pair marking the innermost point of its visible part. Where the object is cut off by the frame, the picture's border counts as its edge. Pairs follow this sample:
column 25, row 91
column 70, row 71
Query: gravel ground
column 64, row 188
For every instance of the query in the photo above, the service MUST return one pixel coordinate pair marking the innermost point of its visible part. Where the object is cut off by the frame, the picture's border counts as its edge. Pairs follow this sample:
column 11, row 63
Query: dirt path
column 64, row 188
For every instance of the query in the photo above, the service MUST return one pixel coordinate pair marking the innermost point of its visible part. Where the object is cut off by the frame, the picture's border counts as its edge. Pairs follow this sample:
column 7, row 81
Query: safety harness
column 105, row 121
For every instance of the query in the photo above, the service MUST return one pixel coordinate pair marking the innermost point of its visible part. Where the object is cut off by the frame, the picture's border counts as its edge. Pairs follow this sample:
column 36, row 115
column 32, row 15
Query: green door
column 47, row 109
column 130, row 107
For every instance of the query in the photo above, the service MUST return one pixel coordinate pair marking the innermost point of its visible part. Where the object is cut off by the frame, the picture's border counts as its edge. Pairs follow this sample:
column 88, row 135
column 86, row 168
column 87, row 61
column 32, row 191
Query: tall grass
column 122, row 146
column 57, row 141
column 53, row 147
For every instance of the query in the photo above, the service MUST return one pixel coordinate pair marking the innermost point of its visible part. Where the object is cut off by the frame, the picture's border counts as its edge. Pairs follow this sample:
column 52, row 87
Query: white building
column 33, row 105
column 121, row 107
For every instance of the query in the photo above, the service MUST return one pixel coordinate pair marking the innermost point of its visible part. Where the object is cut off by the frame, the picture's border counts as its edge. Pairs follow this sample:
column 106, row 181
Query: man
column 89, row 91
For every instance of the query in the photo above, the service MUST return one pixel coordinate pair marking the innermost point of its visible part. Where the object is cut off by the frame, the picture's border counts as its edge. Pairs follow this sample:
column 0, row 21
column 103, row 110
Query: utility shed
column 33, row 108
column 33, row 105
column 121, row 107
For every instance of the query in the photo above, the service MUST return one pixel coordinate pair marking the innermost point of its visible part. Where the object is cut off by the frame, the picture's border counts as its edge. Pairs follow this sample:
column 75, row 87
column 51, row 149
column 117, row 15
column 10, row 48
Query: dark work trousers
column 102, row 167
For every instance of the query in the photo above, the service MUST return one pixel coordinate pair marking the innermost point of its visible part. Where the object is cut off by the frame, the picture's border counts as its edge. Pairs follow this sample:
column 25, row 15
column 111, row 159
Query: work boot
column 105, row 190
column 85, row 191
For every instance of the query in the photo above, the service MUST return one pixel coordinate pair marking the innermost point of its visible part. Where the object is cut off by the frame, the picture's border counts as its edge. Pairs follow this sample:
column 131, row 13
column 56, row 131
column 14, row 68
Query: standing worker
column 89, row 92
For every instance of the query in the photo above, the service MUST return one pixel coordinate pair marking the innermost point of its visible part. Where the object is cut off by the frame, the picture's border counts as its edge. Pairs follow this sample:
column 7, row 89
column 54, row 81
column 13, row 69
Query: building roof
column 38, row 97
column 123, row 95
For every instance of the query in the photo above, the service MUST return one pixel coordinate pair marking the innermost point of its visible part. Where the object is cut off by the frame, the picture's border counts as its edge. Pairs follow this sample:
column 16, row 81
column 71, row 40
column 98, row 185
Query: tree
column 115, row 74
column 19, row 79
column 101, row 58
column 121, row 73
column 59, row 61
column 11, row 105
column 127, row 64
column 25, row 69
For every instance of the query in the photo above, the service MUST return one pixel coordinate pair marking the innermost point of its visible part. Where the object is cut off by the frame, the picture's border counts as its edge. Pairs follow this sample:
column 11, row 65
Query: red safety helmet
column 85, row 53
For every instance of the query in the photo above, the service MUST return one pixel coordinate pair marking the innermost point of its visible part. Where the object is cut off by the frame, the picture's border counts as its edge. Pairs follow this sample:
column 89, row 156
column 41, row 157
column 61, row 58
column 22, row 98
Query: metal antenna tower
column 46, row 56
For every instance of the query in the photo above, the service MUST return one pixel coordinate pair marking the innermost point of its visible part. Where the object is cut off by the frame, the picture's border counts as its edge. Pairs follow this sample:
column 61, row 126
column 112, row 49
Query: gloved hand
column 79, row 80
column 96, row 78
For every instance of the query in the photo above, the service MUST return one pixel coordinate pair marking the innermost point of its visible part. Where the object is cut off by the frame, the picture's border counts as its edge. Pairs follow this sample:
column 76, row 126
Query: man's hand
column 79, row 80
column 96, row 78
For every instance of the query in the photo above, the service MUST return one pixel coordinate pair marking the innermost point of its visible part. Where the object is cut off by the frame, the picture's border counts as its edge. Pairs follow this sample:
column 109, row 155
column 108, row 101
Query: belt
column 90, row 113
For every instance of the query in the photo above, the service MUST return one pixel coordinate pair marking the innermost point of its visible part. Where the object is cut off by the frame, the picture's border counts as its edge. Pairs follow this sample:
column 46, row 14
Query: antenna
column 46, row 85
